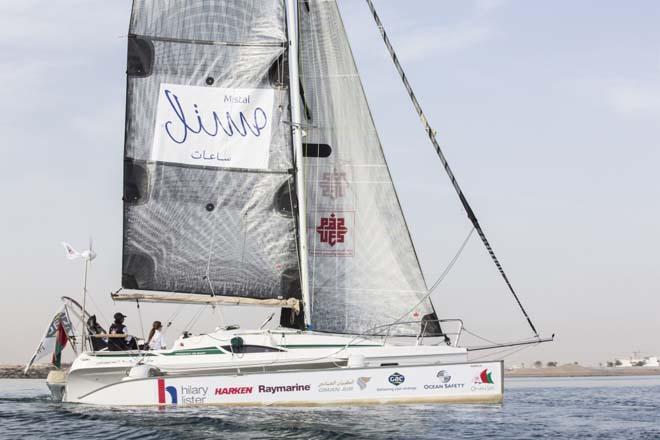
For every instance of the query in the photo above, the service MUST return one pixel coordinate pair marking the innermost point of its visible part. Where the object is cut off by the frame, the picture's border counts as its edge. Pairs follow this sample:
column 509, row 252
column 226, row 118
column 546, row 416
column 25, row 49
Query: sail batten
column 210, row 42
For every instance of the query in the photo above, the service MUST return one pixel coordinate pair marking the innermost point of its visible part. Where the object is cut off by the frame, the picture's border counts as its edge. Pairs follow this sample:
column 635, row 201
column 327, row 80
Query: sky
column 549, row 113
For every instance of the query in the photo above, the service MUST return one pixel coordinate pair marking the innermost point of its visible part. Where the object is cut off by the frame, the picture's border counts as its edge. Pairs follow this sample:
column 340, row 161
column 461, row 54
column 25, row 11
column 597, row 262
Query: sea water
column 566, row 408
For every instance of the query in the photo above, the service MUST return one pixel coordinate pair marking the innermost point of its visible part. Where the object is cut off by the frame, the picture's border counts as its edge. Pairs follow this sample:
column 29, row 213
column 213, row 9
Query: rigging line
column 173, row 316
column 452, row 262
column 137, row 304
column 442, row 277
column 432, row 136
column 194, row 319
column 99, row 310
column 497, row 353
column 481, row 337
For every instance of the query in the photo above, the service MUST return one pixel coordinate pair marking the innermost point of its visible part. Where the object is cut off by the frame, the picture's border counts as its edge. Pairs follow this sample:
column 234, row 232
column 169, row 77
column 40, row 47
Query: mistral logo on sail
column 213, row 127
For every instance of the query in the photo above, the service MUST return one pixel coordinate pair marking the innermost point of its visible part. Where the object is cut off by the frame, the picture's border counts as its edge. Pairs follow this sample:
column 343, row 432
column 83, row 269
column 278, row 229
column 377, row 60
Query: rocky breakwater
column 16, row 371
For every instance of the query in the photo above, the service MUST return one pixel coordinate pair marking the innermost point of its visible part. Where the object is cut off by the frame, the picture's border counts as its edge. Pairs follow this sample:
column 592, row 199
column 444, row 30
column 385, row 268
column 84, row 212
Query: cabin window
column 250, row 349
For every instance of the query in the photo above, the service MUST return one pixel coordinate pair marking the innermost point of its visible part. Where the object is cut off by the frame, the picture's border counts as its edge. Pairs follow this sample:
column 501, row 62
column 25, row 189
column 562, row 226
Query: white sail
column 364, row 270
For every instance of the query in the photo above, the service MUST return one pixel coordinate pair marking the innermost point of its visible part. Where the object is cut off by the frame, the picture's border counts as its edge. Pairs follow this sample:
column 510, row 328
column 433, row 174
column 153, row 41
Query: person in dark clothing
column 118, row 328
column 94, row 328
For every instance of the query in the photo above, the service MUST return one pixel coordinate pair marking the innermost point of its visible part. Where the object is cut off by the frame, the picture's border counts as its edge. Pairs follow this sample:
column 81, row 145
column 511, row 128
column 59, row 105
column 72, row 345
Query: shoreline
column 579, row 371
column 38, row 371
column 41, row 371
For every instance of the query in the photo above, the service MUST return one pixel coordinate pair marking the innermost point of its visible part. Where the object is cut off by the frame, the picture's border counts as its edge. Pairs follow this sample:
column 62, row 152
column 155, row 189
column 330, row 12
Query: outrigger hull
column 448, row 383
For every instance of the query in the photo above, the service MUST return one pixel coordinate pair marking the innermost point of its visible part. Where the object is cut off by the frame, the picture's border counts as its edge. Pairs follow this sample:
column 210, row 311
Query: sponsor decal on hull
column 283, row 388
column 186, row 394
column 233, row 390
column 333, row 386
column 450, row 381
column 483, row 381
column 396, row 379
column 445, row 380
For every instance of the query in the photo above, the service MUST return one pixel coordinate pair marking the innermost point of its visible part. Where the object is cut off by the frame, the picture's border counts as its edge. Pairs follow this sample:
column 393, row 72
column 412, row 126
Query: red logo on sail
column 333, row 184
column 332, row 230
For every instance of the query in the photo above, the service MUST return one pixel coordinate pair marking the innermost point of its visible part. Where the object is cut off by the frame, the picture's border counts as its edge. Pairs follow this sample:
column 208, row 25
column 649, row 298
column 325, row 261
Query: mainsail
column 209, row 187
column 364, row 271
column 208, row 157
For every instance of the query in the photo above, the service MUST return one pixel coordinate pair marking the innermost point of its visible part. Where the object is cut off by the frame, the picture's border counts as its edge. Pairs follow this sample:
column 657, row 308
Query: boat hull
column 450, row 383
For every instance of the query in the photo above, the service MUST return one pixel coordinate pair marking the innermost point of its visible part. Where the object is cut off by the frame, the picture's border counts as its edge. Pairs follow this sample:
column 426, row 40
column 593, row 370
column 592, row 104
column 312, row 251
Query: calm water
column 603, row 408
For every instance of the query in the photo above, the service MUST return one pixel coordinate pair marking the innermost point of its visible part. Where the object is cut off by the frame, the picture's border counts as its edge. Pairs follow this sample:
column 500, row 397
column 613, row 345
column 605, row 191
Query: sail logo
column 362, row 382
column 396, row 379
column 333, row 184
column 213, row 127
column 332, row 230
column 485, row 377
column 162, row 389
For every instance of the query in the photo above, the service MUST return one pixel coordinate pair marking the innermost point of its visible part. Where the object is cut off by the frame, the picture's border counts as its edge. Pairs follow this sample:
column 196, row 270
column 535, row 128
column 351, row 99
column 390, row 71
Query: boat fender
column 356, row 361
column 143, row 372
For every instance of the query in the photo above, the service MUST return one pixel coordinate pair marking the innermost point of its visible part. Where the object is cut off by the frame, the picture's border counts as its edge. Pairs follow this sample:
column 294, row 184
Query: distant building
column 649, row 361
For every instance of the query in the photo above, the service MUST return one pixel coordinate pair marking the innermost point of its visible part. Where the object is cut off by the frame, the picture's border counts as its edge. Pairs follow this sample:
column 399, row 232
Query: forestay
column 364, row 270
column 207, row 207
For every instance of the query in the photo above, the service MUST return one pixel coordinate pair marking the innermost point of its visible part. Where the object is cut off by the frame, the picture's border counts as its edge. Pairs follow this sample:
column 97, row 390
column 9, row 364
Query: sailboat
column 254, row 175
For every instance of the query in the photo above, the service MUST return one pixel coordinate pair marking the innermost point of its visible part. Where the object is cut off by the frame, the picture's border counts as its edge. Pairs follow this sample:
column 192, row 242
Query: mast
column 296, row 120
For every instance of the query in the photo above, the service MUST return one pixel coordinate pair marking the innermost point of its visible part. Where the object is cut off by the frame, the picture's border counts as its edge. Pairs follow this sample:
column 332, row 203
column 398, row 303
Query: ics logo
column 170, row 390
column 396, row 379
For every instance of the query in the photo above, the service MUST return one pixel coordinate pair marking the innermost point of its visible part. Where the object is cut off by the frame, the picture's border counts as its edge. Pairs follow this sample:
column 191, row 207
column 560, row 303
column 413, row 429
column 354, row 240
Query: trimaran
column 254, row 175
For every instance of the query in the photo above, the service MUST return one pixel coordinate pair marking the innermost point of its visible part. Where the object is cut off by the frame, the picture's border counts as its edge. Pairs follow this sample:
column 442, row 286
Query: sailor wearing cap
column 118, row 328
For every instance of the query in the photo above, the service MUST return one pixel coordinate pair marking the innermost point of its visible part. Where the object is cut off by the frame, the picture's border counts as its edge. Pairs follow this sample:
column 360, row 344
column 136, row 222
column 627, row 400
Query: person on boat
column 94, row 328
column 156, row 339
column 118, row 328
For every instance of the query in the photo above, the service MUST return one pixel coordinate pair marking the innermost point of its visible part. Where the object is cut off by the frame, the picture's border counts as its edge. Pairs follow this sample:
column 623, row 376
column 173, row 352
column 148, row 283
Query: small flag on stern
column 57, row 334
column 61, row 339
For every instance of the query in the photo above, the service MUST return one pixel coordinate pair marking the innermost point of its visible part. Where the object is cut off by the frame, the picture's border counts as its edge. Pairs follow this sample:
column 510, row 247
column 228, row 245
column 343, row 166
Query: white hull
column 463, row 382
column 281, row 367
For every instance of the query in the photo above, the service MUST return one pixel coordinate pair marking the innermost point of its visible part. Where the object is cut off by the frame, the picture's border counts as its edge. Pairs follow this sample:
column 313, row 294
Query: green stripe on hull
column 214, row 350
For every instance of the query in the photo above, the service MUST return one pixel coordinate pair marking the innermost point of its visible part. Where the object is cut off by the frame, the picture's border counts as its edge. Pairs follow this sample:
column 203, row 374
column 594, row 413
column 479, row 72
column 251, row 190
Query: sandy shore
column 579, row 371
